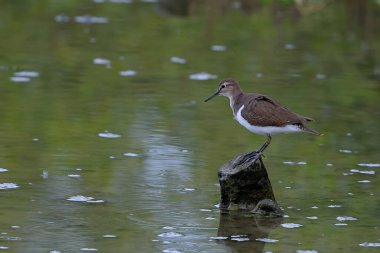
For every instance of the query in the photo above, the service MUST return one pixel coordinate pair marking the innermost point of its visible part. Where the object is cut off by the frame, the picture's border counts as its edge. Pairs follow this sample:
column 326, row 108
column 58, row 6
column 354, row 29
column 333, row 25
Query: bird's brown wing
column 265, row 111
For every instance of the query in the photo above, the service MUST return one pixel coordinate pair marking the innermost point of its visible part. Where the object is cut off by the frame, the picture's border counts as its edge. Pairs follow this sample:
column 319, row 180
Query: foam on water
column 202, row 76
column 6, row 186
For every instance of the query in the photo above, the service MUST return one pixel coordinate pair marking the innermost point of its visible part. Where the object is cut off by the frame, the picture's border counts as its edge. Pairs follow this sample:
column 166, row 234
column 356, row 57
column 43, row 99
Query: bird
column 261, row 114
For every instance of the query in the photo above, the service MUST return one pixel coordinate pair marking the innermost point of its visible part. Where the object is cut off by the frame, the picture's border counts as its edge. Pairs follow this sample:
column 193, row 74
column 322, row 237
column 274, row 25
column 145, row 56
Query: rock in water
column 244, row 184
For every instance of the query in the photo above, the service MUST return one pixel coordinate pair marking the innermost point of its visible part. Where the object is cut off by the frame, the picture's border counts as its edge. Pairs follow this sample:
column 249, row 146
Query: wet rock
column 244, row 184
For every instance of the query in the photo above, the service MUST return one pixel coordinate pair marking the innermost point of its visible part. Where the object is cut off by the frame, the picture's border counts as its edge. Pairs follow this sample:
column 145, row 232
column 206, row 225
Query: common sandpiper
column 261, row 114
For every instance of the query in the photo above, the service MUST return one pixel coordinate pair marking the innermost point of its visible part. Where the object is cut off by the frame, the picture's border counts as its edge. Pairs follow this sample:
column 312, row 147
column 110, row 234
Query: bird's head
column 227, row 87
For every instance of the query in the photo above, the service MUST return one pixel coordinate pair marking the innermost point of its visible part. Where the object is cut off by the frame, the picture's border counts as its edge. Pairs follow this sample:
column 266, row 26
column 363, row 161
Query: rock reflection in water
column 247, row 226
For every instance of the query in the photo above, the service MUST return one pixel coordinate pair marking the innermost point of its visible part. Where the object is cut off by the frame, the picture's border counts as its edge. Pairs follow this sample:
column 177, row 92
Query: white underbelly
column 265, row 130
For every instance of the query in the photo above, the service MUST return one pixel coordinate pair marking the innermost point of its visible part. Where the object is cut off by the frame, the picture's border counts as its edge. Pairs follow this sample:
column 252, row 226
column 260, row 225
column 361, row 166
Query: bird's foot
column 252, row 156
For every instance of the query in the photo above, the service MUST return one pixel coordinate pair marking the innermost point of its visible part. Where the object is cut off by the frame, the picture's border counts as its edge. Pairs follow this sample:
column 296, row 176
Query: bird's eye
column 223, row 86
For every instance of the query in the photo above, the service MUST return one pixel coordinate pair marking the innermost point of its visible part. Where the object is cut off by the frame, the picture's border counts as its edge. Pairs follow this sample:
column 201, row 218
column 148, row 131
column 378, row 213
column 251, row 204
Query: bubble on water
column 128, row 72
column 176, row 59
column 35, row 139
column 320, row 76
column 266, row 240
column 102, row 61
column 218, row 48
column 334, row 206
column 368, row 172
column 20, row 79
column 345, row 218
column 218, row 237
column 349, row 134
column 62, row 19
column 73, row 175
column 291, row 225
column 27, row 73
column 312, row 217
column 3, row 170
column 370, row 244
column 107, row 134
column 6, row 186
column 202, row 76
column 289, row 46
column 329, row 164
column 346, row 151
column 45, row 174
column 88, row 19
column 295, row 163
column 369, row 164
column 364, row 181
column 129, row 154
column 170, row 235
column 109, row 236
column 306, row 251
column 88, row 249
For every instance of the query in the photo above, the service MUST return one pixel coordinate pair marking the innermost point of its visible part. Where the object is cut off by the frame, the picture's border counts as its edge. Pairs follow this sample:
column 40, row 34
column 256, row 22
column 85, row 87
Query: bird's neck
column 236, row 101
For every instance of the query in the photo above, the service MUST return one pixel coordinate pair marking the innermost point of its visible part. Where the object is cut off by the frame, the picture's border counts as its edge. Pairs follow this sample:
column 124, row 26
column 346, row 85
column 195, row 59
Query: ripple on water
column 80, row 198
column 367, row 172
column 3, row 247
column 202, row 76
column 20, row 79
column 345, row 218
column 171, row 251
column 88, row 249
column 128, row 72
column 88, row 19
column 3, row 170
column 218, row 237
column 109, row 236
column 107, row 134
column 295, row 163
column 291, row 225
column 218, row 48
column 266, row 240
column 306, row 251
column 130, row 154
column 176, row 59
column 170, row 235
column 27, row 73
column 369, row 164
column 239, row 238
column 370, row 244
column 5, row 186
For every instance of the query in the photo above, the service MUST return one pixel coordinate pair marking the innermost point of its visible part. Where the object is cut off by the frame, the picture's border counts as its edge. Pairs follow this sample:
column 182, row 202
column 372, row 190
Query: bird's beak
column 212, row 96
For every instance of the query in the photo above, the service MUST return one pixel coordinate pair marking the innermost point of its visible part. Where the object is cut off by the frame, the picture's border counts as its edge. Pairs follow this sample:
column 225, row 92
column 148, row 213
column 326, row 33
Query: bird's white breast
column 264, row 130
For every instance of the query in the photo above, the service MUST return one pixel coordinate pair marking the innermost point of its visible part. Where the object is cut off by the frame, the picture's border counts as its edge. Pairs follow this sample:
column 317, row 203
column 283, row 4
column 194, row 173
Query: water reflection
column 245, row 232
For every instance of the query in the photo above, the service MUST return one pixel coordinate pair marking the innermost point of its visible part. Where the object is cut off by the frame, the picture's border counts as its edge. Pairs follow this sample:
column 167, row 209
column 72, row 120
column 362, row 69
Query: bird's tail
column 310, row 130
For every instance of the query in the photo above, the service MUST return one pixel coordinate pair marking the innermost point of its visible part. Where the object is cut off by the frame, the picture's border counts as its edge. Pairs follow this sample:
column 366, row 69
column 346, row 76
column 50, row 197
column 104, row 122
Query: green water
column 156, row 184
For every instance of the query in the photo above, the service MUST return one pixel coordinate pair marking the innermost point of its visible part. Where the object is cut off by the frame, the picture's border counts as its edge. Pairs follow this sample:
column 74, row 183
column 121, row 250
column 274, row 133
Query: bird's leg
column 265, row 145
column 259, row 152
